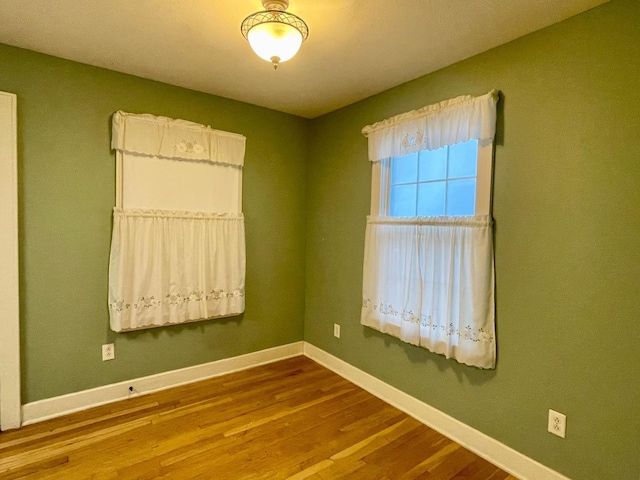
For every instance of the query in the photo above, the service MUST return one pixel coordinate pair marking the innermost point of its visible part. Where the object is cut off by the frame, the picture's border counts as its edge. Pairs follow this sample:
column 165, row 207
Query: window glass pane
column 431, row 199
column 461, row 197
column 404, row 169
column 403, row 201
column 463, row 159
column 433, row 164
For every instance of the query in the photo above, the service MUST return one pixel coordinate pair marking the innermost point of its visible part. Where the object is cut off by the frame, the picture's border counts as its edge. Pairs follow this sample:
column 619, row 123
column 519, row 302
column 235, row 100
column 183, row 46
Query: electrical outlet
column 557, row 423
column 108, row 352
column 336, row 330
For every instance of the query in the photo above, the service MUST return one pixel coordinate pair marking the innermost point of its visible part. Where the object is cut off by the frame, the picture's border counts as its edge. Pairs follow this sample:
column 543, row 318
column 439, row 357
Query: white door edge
column 9, row 313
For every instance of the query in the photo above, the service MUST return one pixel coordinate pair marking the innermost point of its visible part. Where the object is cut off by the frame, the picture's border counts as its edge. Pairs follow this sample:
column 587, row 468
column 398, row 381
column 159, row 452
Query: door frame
column 10, row 405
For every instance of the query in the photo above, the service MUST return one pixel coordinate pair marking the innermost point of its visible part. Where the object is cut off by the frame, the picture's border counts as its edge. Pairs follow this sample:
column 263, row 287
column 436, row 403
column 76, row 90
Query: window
column 428, row 274
column 449, row 181
column 432, row 183
column 178, row 244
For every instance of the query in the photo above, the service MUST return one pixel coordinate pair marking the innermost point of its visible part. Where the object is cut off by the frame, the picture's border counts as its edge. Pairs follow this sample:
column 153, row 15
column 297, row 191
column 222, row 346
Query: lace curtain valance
column 179, row 139
column 178, row 244
column 446, row 123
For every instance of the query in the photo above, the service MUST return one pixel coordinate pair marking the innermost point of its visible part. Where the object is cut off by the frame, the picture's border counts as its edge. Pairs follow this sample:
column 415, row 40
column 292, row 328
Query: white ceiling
column 356, row 48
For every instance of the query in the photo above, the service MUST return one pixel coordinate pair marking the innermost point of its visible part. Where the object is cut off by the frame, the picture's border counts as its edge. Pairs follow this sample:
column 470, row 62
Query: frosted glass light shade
column 273, row 34
column 274, row 41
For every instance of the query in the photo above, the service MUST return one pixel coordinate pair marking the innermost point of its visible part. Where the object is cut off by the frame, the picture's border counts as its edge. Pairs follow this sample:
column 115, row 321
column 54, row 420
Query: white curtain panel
column 158, row 183
column 430, row 282
column 174, row 267
column 178, row 244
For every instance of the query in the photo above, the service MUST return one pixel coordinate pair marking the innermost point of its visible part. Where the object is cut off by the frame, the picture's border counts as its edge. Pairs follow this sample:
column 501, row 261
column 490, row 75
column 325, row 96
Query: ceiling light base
column 280, row 5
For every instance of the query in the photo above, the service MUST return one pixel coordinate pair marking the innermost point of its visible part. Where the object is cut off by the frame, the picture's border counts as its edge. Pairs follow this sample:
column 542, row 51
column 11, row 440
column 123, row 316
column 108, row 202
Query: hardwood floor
column 288, row 420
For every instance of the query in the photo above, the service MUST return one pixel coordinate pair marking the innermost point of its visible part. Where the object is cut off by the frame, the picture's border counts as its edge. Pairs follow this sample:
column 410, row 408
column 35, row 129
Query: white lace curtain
column 178, row 246
column 430, row 280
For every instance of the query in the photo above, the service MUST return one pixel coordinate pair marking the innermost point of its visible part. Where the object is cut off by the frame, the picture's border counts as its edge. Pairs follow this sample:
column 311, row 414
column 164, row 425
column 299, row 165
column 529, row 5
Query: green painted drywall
column 66, row 196
column 567, row 244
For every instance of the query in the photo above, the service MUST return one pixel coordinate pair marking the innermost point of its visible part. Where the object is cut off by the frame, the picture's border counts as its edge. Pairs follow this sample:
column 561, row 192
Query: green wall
column 567, row 244
column 66, row 196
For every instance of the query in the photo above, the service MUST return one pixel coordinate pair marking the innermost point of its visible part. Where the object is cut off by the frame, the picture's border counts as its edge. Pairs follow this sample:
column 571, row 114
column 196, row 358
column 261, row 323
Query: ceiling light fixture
column 274, row 34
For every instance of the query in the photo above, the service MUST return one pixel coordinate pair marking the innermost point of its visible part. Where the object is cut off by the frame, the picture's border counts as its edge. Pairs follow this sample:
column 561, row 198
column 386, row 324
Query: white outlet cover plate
column 108, row 352
column 557, row 423
column 336, row 330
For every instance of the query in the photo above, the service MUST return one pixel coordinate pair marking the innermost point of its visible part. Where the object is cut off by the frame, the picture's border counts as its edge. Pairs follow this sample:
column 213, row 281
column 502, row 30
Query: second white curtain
column 173, row 267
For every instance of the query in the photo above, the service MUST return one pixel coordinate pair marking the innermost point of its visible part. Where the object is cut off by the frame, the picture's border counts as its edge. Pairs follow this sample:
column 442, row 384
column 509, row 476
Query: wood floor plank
column 291, row 419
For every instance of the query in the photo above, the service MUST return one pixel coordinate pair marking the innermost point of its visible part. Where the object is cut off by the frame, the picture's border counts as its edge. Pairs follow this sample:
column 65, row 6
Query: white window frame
column 381, row 182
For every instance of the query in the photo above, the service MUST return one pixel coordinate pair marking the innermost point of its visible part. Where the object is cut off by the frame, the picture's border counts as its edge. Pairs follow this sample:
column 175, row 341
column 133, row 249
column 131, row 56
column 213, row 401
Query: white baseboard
column 497, row 453
column 479, row 443
column 74, row 402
